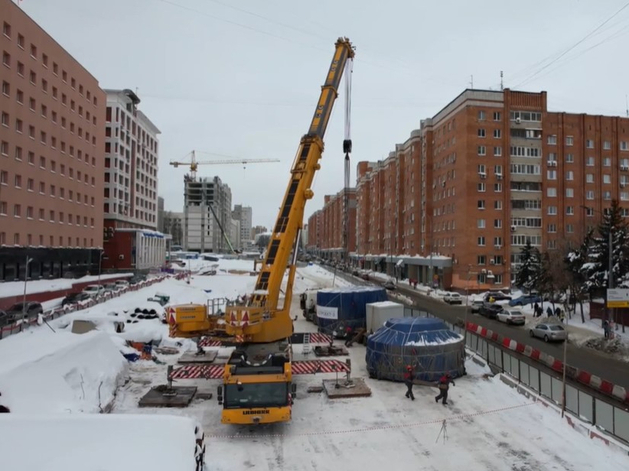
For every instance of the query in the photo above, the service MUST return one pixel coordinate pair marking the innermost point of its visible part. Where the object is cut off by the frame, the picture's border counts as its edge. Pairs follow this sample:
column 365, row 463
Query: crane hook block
column 347, row 146
column 308, row 194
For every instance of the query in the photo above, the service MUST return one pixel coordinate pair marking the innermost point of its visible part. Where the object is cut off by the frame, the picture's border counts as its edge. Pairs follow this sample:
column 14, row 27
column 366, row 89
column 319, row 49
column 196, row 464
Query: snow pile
column 59, row 372
column 97, row 442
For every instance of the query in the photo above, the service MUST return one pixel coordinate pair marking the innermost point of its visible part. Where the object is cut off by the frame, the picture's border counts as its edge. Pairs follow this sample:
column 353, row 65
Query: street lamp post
column 565, row 367
column 467, row 300
column 100, row 262
column 28, row 261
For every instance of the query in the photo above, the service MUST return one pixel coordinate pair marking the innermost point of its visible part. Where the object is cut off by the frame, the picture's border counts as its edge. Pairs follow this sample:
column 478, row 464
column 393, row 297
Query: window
column 497, row 133
column 42, row 137
column 589, row 178
column 6, row 58
column 497, row 151
column 570, row 210
column 31, row 132
column 607, row 162
column 44, row 59
column 623, row 145
column 41, row 215
column 551, row 174
column 20, row 69
column 569, row 175
column 30, row 184
column 480, row 223
column 19, row 97
column 18, row 153
column 17, row 210
column 32, row 104
column 64, row 76
column 481, row 187
column 607, row 145
column 589, row 195
column 607, row 179
column 44, row 111
column 19, row 125
column 3, row 208
column 551, row 192
column 498, row 204
column 569, row 140
column 33, row 77
column 569, row 192
column 497, row 187
column 42, row 162
column 552, row 210
column 44, row 85
column 497, row 116
column 4, row 148
column 481, row 241
column 569, row 228
column 480, row 204
column 29, row 212
column 5, row 119
column 590, row 162
column 589, row 143
column 18, row 181
column 482, row 150
column 497, row 223
column 6, row 88
column 481, row 259
column 33, row 51
column 31, row 158
column 552, row 140
column 481, row 115
column 481, row 132
column 4, row 177
column 54, row 117
column 569, row 158
column 552, row 228
column 51, row 216
column 6, row 29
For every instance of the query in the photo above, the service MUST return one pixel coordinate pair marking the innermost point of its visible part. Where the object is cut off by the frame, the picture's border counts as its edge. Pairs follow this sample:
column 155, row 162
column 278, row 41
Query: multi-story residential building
column 489, row 172
column 52, row 114
column 207, row 214
column 327, row 235
column 258, row 230
column 244, row 214
column 173, row 225
column 130, row 207
column 234, row 235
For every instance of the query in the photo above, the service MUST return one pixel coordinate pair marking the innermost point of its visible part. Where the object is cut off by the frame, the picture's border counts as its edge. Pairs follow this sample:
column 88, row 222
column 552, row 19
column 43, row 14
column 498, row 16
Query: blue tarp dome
column 425, row 343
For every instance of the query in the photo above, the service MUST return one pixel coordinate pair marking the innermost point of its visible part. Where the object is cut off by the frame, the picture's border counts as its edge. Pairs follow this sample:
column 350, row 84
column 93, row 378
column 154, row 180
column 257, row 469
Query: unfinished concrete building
column 207, row 215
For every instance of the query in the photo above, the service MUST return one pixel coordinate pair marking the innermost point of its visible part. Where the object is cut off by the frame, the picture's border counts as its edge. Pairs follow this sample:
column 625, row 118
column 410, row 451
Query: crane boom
column 194, row 163
column 263, row 321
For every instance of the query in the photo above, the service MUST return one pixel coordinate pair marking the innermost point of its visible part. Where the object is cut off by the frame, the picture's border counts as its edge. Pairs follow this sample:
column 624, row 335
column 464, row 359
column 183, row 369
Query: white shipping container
column 379, row 313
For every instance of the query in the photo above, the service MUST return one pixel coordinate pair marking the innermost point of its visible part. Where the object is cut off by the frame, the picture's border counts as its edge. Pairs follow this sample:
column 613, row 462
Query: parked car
column 525, row 300
column 497, row 295
column 74, row 298
column 111, row 287
column 355, row 272
column 4, row 318
column 365, row 276
column 32, row 310
column 476, row 304
column 549, row 332
column 122, row 283
column 453, row 298
column 512, row 316
column 389, row 284
column 490, row 310
column 94, row 290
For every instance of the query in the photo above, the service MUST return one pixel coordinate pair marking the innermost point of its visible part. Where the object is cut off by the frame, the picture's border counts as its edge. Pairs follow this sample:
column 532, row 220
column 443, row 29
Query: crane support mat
column 298, row 368
column 192, row 357
column 163, row 396
column 333, row 351
column 356, row 388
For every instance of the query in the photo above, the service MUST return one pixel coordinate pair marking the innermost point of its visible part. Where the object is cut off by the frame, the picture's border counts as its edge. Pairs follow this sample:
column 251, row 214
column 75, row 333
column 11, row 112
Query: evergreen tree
column 596, row 269
column 528, row 273
column 575, row 261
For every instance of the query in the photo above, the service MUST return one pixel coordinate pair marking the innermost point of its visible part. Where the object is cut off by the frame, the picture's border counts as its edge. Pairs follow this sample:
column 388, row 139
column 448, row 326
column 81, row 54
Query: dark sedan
column 32, row 309
column 490, row 310
column 74, row 298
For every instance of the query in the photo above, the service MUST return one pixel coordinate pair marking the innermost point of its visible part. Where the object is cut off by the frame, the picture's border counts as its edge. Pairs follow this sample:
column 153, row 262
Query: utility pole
column 563, row 380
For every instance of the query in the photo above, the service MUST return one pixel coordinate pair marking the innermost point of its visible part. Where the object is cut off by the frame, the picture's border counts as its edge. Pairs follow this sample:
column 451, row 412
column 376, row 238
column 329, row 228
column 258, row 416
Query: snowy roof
column 386, row 304
column 98, row 441
column 351, row 289
column 414, row 331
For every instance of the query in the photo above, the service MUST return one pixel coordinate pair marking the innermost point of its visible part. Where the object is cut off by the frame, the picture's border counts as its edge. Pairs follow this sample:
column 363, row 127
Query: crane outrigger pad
column 297, row 367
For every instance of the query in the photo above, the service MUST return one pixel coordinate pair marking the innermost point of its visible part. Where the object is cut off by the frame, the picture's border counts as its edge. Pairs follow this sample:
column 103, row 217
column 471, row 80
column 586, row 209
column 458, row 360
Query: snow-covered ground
column 489, row 426
column 16, row 288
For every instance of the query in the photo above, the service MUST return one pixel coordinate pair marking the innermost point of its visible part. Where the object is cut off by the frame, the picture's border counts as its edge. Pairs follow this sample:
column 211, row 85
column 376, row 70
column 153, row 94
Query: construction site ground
column 485, row 426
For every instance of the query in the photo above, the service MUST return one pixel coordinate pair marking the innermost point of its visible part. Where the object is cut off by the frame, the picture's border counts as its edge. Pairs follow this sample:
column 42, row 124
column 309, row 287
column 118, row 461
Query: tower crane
column 194, row 163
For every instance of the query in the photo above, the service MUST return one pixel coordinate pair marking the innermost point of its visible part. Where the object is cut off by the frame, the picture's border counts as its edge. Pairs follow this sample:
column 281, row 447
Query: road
column 592, row 361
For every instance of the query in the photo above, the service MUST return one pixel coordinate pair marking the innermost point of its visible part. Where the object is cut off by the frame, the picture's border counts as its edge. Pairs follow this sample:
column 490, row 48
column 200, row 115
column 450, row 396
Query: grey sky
column 249, row 91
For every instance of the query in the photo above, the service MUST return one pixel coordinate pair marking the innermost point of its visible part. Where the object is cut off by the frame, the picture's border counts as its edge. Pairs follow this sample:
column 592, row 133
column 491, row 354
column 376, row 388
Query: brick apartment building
column 51, row 155
column 325, row 227
column 458, row 200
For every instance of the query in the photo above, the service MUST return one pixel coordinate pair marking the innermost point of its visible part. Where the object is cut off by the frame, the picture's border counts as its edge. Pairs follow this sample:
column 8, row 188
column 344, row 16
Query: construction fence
column 52, row 314
column 595, row 410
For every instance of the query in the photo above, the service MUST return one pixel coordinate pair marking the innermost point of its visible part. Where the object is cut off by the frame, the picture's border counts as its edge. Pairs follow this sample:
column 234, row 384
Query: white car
column 122, row 283
column 94, row 290
column 511, row 316
column 453, row 298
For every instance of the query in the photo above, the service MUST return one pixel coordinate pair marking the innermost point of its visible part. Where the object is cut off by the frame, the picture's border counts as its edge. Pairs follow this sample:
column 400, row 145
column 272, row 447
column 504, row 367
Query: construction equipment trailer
column 257, row 381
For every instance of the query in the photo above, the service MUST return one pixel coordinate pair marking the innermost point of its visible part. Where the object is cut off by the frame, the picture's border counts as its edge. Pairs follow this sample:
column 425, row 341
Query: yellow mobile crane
column 257, row 383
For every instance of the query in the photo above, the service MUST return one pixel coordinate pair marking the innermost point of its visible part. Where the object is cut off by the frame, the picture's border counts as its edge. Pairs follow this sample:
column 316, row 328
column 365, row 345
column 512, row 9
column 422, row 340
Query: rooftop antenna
column 471, row 81
column 626, row 106
column 501, row 81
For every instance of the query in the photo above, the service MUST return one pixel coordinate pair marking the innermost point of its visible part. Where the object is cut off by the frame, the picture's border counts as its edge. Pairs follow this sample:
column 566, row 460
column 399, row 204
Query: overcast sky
column 241, row 78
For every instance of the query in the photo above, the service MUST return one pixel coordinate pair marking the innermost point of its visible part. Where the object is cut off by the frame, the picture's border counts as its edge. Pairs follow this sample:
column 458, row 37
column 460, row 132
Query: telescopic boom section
column 263, row 320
